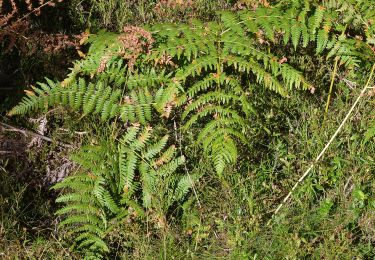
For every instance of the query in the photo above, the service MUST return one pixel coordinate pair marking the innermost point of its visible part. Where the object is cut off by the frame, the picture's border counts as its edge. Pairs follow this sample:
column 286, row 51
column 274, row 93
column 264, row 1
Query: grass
column 114, row 15
column 329, row 216
column 27, row 224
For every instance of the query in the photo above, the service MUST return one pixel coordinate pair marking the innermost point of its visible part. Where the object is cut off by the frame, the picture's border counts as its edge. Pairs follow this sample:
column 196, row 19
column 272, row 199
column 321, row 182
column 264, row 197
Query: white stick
column 327, row 145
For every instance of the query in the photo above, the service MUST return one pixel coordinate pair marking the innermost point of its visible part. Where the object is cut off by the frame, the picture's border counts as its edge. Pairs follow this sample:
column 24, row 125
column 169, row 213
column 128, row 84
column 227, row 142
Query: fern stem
column 164, row 246
column 185, row 168
column 332, row 80
column 121, row 102
column 330, row 88
column 192, row 183
column 300, row 180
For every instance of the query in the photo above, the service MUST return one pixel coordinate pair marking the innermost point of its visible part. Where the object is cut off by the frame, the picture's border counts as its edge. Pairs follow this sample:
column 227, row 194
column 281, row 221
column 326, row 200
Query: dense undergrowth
column 184, row 137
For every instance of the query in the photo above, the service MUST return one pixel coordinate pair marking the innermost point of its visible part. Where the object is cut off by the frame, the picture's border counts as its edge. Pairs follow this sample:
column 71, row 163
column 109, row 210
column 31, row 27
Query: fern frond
column 218, row 97
column 92, row 241
column 154, row 149
column 321, row 40
column 86, row 203
column 78, row 207
column 75, row 197
column 224, row 151
column 169, row 168
column 197, row 67
column 79, row 219
column 184, row 185
column 91, row 99
column 127, row 165
column 232, row 22
column 317, row 19
column 295, row 34
column 138, row 158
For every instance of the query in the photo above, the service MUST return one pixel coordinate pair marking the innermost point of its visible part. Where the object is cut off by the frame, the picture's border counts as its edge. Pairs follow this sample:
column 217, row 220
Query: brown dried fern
column 15, row 23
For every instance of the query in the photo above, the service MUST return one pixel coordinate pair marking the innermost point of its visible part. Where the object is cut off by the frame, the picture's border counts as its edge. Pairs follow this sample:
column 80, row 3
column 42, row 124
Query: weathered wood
column 31, row 133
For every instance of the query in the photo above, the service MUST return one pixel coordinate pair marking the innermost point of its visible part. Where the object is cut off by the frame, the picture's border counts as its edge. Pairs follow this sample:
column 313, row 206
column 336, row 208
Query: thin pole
column 327, row 145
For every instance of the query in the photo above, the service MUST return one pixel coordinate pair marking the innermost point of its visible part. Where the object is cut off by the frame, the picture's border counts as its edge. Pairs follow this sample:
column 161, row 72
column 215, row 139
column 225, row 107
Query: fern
column 101, row 193
column 319, row 24
column 87, row 203
column 212, row 79
column 317, row 19
column 138, row 155
column 213, row 65
column 90, row 98
column 201, row 73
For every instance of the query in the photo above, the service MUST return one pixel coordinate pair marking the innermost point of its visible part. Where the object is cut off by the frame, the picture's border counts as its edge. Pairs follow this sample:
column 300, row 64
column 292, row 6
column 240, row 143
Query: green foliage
column 370, row 133
column 217, row 66
column 324, row 25
column 220, row 64
column 100, row 98
column 155, row 169
column 114, row 15
column 111, row 182
column 204, row 81
column 89, row 204
column 91, row 98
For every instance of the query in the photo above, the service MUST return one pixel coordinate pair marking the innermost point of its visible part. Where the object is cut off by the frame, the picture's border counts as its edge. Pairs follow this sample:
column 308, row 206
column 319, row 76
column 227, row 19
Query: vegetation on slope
column 183, row 136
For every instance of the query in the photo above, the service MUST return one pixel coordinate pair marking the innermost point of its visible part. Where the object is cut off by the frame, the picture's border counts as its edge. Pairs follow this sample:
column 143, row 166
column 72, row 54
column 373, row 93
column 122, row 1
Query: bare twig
column 350, row 84
column 327, row 145
column 31, row 133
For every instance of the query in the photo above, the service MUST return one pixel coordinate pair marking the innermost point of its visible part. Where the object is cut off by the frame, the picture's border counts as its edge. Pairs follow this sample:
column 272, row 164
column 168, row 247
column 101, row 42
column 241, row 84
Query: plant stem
column 165, row 245
column 330, row 88
column 327, row 145
column 333, row 79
